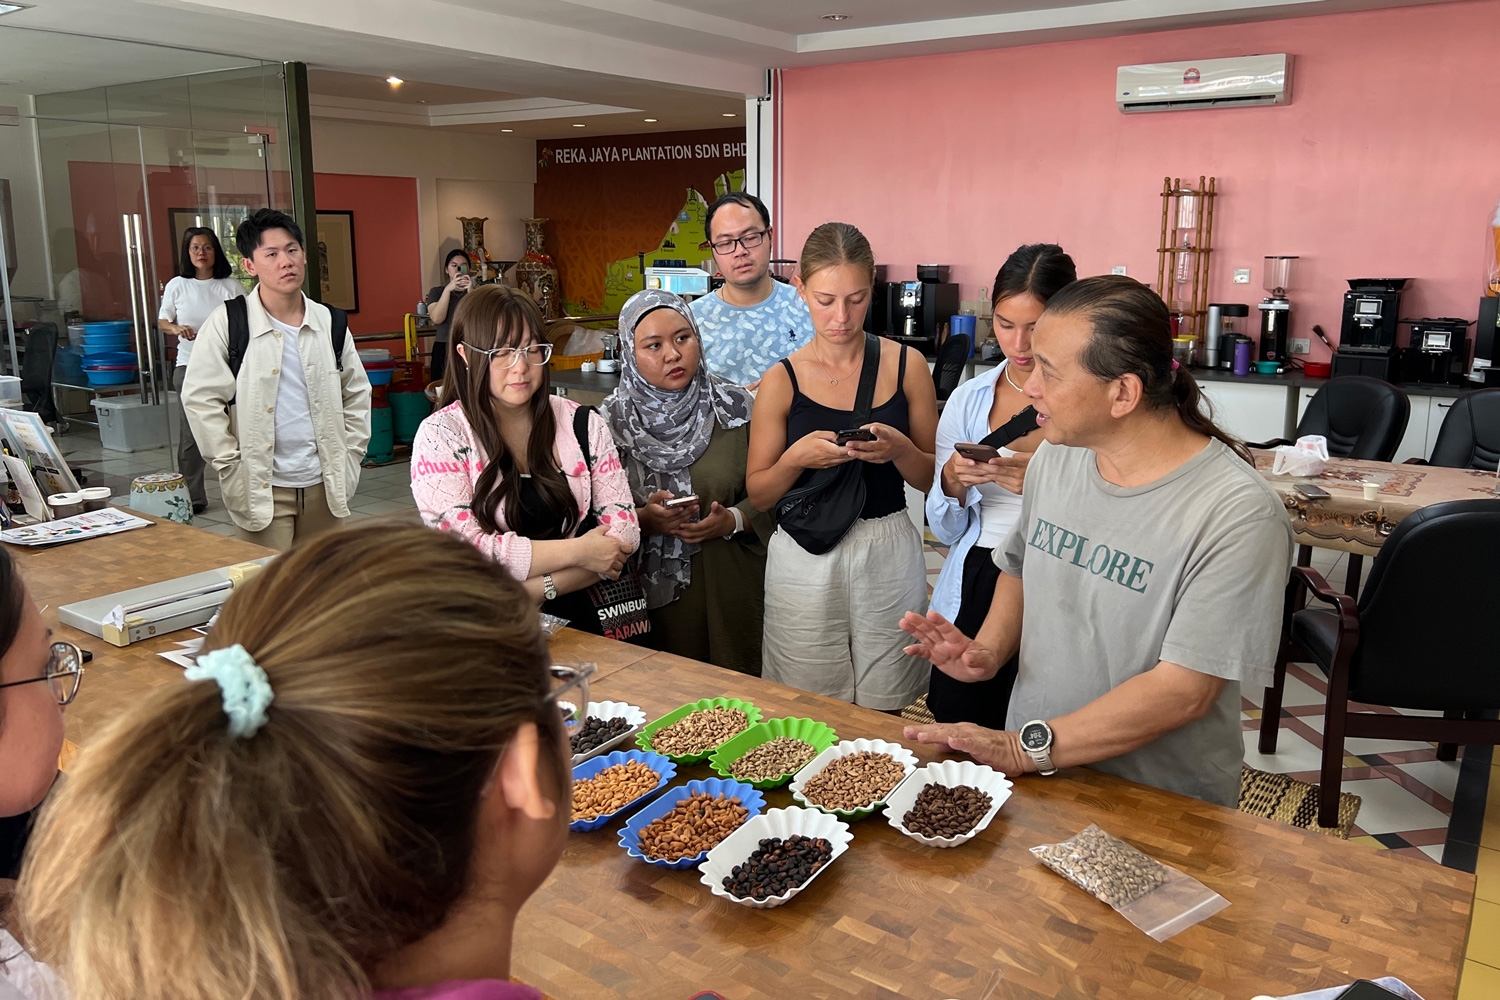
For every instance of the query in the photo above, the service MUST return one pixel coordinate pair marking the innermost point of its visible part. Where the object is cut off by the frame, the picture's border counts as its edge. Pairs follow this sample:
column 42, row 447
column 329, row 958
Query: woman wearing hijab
column 683, row 432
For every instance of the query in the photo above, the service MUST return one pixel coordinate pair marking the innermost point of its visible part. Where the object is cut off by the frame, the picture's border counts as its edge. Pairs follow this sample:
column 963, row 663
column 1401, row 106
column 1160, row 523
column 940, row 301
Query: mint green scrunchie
column 246, row 690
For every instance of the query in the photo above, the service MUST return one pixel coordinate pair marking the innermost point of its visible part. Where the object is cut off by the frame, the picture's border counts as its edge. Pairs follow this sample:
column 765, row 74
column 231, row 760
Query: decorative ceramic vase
column 164, row 495
column 536, row 273
column 474, row 239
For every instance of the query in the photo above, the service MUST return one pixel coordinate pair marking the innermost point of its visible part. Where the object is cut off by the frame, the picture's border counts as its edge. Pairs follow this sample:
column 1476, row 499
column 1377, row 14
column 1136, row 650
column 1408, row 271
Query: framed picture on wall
column 336, row 253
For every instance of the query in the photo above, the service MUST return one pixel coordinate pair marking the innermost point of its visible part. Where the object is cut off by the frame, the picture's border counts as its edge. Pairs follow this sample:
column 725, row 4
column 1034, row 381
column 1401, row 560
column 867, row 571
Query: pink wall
column 1385, row 164
column 387, row 255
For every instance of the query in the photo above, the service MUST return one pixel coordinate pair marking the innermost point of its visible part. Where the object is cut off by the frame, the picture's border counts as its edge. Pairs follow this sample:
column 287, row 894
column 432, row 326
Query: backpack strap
column 239, row 332
column 340, row 334
column 581, row 432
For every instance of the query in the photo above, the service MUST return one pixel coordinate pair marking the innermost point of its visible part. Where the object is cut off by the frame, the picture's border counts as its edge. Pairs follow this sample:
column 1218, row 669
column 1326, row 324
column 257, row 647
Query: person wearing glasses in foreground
column 501, row 463
column 320, row 810
column 1143, row 582
column 752, row 321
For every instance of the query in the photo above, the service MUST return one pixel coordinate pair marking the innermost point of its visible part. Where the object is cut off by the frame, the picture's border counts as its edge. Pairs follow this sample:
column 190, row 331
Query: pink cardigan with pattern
column 446, row 460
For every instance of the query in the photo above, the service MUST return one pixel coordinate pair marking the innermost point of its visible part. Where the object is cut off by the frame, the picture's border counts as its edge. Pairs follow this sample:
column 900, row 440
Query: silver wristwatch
column 549, row 589
column 1036, row 740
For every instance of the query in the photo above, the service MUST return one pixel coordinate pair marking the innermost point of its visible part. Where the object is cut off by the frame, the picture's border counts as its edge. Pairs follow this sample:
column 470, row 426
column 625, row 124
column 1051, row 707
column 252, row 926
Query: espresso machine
column 1367, row 339
column 1439, row 351
column 1486, row 370
column 918, row 310
column 1276, row 311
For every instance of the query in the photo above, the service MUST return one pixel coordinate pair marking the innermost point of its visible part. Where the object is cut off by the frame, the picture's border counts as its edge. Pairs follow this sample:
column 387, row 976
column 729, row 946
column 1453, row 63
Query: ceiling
column 541, row 68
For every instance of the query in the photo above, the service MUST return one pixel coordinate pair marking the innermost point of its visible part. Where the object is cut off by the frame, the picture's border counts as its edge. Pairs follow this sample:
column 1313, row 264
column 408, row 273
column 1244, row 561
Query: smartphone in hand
column 854, row 434
column 686, row 501
column 976, row 452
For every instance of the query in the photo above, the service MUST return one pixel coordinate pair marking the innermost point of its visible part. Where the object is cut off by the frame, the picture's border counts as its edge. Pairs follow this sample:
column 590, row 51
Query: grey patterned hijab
column 663, row 432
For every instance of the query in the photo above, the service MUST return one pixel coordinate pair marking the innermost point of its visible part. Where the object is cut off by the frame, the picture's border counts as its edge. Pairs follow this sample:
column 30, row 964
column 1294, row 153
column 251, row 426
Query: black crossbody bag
column 823, row 504
column 1020, row 425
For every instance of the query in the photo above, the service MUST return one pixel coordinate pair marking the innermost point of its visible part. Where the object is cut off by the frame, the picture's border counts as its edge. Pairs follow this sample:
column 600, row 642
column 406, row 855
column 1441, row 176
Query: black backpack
column 239, row 333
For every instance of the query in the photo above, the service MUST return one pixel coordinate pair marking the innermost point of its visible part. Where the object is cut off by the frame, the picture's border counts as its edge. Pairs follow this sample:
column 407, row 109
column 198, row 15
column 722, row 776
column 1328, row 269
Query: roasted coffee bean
column 940, row 811
column 772, row 759
column 613, row 788
column 692, row 826
column 594, row 733
column 699, row 731
column 854, row 781
column 1108, row 868
column 778, row 866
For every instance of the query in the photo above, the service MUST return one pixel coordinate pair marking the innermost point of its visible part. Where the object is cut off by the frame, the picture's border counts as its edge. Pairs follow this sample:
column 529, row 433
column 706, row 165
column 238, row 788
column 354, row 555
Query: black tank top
column 885, row 490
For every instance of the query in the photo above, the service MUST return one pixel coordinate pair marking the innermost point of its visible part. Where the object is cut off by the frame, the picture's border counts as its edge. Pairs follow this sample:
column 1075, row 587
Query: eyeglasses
column 64, row 672
column 566, row 677
column 506, row 357
column 749, row 241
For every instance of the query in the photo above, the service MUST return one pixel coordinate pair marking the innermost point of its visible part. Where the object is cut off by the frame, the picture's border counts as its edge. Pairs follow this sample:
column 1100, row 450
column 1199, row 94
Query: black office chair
column 1470, row 435
column 948, row 370
column 1402, row 645
column 1362, row 418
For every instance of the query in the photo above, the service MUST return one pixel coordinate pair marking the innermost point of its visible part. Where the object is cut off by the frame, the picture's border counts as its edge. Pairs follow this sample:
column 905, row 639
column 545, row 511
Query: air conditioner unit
column 1210, row 83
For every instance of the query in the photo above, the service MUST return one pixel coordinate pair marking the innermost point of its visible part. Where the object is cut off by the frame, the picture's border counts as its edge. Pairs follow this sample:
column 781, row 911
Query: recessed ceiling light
column 420, row 101
column 648, row 119
column 394, row 81
column 578, row 124
column 835, row 17
column 727, row 114
column 507, row 130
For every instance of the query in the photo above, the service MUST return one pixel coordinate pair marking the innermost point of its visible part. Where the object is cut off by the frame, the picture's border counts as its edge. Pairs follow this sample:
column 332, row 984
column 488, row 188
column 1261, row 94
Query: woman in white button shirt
column 972, row 506
column 202, row 283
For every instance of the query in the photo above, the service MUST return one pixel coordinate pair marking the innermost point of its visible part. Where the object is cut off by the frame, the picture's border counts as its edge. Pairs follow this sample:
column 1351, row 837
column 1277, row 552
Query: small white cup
column 65, row 504
column 1372, row 490
column 587, row 366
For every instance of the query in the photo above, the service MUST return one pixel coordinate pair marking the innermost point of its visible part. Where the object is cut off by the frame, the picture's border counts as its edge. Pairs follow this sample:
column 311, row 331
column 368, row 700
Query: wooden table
column 1348, row 522
column 65, row 574
column 893, row 918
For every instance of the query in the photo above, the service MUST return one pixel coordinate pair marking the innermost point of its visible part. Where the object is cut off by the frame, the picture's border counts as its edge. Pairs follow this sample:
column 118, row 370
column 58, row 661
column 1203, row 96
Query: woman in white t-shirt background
column 972, row 506
column 203, row 282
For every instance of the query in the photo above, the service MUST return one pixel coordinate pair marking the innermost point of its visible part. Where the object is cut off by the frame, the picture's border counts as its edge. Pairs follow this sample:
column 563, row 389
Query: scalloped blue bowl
column 589, row 768
column 630, row 835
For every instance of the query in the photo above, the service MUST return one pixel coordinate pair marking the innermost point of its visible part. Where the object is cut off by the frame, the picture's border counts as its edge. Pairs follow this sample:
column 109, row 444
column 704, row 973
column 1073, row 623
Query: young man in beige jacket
column 286, row 436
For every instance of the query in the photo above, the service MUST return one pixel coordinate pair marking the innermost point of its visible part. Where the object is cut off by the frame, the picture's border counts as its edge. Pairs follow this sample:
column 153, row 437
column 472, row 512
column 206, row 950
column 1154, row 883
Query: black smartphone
column 855, row 434
column 976, row 452
column 1363, row 989
column 686, row 501
column 1311, row 492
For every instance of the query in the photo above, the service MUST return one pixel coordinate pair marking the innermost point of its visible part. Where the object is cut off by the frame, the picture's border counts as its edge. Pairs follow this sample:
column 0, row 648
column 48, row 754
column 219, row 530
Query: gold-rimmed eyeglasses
column 572, row 677
column 64, row 672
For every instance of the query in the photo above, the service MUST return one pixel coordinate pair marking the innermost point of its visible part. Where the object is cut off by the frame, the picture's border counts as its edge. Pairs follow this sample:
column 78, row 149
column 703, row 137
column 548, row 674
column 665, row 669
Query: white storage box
column 127, row 424
column 10, row 391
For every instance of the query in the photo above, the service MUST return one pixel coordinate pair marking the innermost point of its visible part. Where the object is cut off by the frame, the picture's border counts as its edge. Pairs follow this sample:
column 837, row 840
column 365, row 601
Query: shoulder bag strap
column 1020, row 425
column 865, row 396
column 581, row 432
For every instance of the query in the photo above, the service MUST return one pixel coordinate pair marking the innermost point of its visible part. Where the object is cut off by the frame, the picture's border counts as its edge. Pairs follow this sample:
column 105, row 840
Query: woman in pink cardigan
column 501, row 463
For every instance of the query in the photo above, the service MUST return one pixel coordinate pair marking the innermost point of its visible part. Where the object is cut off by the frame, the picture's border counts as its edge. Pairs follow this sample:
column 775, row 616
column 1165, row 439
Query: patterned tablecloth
column 1347, row 521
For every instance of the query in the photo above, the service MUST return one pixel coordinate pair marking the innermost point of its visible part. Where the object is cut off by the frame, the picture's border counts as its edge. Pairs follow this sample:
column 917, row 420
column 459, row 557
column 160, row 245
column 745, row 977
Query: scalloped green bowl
column 819, row 734
column 643, row 739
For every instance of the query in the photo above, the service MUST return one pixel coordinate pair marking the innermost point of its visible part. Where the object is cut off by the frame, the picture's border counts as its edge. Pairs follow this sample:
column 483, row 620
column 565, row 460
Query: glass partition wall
column 118, row 172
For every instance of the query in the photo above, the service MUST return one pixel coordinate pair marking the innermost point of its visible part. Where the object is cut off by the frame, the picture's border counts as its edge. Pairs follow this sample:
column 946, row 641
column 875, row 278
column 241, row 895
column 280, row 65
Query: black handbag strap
column 1020, row 425
column 864, row 396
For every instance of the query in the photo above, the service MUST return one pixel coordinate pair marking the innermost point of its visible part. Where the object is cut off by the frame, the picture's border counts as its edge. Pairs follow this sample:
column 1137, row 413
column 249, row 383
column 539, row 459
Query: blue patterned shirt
column 741, row 343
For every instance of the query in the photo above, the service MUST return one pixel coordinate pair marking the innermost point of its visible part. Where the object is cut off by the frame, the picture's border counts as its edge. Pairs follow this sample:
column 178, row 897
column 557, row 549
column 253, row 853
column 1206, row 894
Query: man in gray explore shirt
column 1144, row 579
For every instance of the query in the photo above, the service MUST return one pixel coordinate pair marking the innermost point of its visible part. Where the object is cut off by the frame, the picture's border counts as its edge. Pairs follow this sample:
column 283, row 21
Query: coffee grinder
column 1276, row 311
column 1367, row 339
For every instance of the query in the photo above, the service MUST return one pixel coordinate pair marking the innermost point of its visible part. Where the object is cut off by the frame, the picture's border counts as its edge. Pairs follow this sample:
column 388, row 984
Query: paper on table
column 76, row 528
column 31, row 496
column 186, row 653
column 116, row 617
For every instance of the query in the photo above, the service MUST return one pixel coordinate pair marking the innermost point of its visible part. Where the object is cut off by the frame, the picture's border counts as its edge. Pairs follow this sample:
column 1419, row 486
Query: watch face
column 1035, row 736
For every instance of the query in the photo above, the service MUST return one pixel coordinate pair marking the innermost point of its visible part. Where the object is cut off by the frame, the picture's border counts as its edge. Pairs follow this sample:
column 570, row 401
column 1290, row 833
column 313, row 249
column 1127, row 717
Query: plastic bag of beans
column 1156, row 898
column 551, row 624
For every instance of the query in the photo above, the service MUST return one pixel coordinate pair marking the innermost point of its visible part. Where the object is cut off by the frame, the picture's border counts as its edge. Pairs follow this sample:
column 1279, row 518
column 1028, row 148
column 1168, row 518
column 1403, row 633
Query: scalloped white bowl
column 843, row 748
column 738, row 846
column 951, row 773
column 609, row 710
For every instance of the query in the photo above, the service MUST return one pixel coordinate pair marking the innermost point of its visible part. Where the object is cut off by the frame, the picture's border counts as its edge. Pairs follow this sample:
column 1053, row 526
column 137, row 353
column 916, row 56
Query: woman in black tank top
column 832, row 619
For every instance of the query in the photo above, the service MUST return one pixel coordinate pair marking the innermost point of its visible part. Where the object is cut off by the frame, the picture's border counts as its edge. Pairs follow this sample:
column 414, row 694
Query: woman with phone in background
column 828, row 628
column 502, row 464
column 976, row 498
column 442, row 304
column 683, row 434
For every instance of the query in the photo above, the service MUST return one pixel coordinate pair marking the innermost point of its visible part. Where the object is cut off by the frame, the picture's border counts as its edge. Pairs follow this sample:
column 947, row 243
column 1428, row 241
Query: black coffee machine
column 1439, row 351
column 1367, row 339
column 917, row 310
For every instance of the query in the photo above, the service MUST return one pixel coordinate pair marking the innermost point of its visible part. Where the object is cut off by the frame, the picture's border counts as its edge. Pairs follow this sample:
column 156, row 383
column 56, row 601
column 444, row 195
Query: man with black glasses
column 753, row 320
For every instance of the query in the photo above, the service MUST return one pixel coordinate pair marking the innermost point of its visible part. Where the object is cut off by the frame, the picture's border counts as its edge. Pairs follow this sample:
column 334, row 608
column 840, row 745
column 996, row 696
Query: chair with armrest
column 948, row 368
column 1360, row 417
column 1470, row 435
column 1407, row 643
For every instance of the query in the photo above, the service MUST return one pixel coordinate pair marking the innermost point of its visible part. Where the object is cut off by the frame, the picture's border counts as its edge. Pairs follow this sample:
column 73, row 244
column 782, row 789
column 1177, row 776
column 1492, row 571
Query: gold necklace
column 828, row 371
